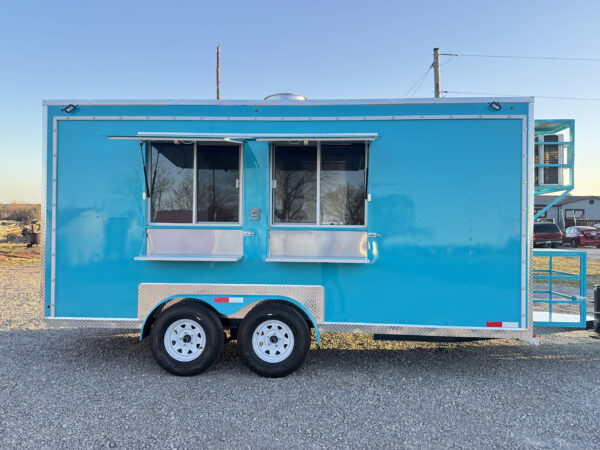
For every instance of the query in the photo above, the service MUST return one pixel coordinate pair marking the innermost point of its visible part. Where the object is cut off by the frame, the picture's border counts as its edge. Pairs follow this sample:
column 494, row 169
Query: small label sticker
column 229, row 300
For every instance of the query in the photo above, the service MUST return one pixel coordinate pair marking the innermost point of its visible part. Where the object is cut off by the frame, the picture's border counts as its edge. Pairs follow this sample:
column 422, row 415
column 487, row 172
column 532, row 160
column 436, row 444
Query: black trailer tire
column 274, row 339
column 187, row 338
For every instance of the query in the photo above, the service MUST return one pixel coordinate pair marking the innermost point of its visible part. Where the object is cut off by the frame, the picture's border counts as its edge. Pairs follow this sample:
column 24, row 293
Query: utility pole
column 437, row 88
column 218, row 72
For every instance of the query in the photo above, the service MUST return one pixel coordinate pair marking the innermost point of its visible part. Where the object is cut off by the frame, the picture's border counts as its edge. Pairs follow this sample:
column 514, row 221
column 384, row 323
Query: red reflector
column 221, row 299
column 494, row 324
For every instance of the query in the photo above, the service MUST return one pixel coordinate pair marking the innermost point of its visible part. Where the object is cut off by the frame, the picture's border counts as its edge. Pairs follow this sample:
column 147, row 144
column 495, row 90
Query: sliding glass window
column 343, row 178
column 216, row 181
column 295, row 180
column 172, row 182
column 319, row 183
column 218, row 198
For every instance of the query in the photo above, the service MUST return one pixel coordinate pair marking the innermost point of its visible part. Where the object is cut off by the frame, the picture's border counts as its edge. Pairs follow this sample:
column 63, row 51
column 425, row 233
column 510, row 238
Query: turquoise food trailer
column 268, row 218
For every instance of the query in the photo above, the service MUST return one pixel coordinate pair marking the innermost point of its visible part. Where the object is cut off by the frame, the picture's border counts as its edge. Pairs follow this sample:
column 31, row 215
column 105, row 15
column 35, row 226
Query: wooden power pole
column 437, row 88
column 218, row 72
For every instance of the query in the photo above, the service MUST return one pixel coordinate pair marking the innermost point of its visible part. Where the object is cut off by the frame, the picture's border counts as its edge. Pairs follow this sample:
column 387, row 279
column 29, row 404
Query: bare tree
column 21, row 212
column 342, row 200
column 161, row 187
column 294, row 190
column 181, row 193
column 219, row 199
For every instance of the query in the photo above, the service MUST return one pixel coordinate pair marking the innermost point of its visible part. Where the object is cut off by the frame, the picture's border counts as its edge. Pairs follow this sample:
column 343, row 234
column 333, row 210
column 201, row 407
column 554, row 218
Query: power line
column 417, row 84
column 555, row 58
column 421, row 83
column 448, row 60
column 520, row 95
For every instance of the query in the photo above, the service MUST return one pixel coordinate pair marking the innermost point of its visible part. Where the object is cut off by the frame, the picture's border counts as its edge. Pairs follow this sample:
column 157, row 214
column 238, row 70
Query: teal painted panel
column 445, row 197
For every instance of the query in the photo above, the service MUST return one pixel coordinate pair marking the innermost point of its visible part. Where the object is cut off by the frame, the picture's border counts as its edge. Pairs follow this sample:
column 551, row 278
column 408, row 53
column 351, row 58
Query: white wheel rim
column 273, row 341
column 185, row 340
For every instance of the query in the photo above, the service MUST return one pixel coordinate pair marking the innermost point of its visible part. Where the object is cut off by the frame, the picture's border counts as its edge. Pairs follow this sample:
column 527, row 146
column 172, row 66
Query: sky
column 322, row 49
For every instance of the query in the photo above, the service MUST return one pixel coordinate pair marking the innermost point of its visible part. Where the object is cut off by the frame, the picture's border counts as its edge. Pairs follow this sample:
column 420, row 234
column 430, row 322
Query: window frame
column 573, row 213
column 318, row 224
column 194, row 222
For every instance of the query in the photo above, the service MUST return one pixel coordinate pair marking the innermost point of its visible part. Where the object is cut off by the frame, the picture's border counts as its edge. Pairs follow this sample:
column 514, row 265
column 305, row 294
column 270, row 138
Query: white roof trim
column 393, row 101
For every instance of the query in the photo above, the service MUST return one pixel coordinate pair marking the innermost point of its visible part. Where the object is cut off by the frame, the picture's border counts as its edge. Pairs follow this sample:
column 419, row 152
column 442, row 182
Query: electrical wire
column 520, row 95
column 417, row 84
column 452, row 57
column 420, row 84
column 554, row 58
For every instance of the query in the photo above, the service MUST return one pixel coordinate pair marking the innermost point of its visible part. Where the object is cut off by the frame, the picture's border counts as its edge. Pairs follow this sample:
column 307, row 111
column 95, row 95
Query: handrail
column 556, row 297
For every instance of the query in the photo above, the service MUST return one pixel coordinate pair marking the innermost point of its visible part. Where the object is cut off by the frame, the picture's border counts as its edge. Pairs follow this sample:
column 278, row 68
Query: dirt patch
column 19, row 254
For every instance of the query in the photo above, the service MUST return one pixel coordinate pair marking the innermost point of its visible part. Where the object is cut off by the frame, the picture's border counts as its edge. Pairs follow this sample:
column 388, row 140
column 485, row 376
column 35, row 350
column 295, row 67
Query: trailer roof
column 393, row 101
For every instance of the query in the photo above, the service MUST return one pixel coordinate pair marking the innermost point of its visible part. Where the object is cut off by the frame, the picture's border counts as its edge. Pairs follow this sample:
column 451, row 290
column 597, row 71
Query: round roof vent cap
column 286, row 96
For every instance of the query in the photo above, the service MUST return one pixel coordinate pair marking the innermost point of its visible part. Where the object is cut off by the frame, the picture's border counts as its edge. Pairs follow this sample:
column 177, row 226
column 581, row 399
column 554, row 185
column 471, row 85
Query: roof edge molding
column 392, row 101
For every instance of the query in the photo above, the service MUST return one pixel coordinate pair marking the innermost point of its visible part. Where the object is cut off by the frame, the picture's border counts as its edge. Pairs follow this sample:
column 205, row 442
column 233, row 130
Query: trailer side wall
column 445, row 182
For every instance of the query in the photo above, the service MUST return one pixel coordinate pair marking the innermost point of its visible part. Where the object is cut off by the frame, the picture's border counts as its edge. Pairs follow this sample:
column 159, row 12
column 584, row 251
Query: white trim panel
column 392, row 101
column 297, row 118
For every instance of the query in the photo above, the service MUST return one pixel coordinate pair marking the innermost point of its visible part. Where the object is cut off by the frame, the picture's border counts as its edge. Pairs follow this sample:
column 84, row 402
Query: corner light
column 69, row 108
column 496, row 106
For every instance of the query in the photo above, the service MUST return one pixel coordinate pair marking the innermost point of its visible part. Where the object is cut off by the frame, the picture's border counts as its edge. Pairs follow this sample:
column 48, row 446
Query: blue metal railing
column 554, row 297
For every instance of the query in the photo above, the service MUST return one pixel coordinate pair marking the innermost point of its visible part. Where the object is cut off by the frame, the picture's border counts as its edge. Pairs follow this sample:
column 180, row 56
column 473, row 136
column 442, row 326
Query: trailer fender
column 227, row 305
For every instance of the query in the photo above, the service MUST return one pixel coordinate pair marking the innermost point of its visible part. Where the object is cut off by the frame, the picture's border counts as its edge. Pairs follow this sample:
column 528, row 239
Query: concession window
column 193, row 196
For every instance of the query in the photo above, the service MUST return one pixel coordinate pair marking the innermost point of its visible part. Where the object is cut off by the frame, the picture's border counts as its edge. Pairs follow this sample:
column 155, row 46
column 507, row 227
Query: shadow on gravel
column 109, row 350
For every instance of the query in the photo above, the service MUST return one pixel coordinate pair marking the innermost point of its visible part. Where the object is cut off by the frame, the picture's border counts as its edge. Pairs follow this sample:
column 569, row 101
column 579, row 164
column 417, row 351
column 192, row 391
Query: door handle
column 373, row 235
column 248, row 233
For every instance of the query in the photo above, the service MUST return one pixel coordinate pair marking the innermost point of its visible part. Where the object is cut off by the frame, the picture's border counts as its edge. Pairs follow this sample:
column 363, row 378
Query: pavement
column 83, row 388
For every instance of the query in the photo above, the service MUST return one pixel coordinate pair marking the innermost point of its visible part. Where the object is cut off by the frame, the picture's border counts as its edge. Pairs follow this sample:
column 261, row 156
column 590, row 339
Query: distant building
column 571, row 210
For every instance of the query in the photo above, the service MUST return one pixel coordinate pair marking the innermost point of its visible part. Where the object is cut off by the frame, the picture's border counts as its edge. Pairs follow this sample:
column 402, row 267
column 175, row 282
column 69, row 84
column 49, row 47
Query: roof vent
column 286, row 96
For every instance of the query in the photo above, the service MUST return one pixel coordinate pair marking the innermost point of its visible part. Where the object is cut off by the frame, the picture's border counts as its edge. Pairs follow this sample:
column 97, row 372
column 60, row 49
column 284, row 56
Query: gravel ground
column 592, row 253
column 94, row 389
